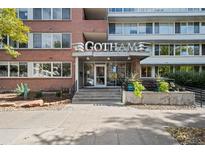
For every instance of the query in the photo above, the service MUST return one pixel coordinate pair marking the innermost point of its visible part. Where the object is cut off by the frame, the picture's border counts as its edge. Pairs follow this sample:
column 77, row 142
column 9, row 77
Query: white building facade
column 175, row 37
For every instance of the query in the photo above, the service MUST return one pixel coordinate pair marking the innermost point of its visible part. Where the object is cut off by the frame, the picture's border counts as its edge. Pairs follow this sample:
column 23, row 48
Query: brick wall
column 77, row 25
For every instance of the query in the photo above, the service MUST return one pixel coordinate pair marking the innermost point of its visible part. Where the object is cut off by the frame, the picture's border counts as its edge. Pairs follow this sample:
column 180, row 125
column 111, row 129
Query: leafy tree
column 13, row 27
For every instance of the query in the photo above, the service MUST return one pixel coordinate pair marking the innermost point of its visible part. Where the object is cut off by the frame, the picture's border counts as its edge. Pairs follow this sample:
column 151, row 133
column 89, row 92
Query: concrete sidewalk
column 95, row 124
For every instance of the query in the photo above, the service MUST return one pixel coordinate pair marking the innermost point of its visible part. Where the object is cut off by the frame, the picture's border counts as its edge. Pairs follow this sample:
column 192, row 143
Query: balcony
column 153, row 14
column 159, row 37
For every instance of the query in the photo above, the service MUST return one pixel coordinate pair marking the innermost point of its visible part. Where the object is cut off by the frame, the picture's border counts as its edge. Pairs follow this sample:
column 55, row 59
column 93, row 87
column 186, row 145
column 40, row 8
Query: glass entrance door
column 100, row 75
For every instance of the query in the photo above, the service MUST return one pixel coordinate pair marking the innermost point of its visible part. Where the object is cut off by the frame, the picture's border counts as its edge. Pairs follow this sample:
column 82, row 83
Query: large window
column 13, row 69
column 187, row 28
column 146, row 71
column 51, row 40
column 164, row 49
column 37, row 69
column 51, row 14
column 163, row 70
column 145, row 28
column 187, row 49
column 55, row 69
column 164, row 28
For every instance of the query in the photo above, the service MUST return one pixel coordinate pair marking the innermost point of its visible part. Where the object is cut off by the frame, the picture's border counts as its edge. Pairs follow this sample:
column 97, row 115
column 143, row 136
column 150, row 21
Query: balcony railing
column 155, row 10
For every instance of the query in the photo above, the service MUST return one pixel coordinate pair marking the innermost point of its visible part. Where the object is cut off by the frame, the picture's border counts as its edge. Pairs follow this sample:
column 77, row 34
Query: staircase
column 97, row 96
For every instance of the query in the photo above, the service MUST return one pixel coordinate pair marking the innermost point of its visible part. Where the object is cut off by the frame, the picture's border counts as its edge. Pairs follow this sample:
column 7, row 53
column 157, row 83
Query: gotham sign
column 112, row 47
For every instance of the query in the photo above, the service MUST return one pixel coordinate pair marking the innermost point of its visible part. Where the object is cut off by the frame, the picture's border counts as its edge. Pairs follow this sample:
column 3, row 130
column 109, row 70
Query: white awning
column 173, row 60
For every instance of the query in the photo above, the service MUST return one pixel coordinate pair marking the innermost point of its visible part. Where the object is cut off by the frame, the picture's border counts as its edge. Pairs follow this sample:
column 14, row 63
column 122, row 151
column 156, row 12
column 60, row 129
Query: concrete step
column 98, row 93
column 97, row 96
column 99, row 90
column 97, row 99
column 100, row 102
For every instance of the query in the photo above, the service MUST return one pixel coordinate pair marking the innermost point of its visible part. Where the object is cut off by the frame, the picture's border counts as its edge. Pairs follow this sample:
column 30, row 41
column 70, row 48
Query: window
column 37, row 14
column 23, row 13
column 51, row 40
column 163, row 70
column 196, row 49
column 66, row 13
column 191, row 28
column 14, row 69
column 57, row 13
column 3, row 69
column 57, row 71
column 111, row 28
column 4, row 41
column 118, row 28
column 47, row 69
column 156, row 50
column 183, row 27
column 42, row 69
column 196, row 27
column 66, row 68
column 57, row 40
column 37, row 41
column 164, row 49
column 190, row 49
column 23, row 69
column 66, row 40
column 46, row 13
column 46, row 40
column 203, row 49
column 146, row 71
column 163, row 28
column 12, row 43
column 177, row 28
column 202, row 28
column 177, row 49
column 145, row 28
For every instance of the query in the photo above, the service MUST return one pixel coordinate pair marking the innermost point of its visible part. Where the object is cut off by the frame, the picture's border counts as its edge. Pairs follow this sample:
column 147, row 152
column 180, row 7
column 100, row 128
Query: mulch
column 188, row 135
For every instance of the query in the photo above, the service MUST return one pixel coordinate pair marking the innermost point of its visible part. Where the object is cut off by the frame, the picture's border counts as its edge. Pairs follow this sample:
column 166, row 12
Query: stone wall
column 154, row 98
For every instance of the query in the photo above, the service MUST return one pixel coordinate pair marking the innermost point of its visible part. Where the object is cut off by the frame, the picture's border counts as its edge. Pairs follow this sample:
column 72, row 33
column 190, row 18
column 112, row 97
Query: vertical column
column 76, row 73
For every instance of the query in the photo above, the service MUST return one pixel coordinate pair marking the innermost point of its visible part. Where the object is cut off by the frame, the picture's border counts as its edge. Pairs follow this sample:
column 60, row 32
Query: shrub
column 163, row 86
column 138, row 88
column 188, row 78
column 39, row 94
column 59, row 93
column 22, row 90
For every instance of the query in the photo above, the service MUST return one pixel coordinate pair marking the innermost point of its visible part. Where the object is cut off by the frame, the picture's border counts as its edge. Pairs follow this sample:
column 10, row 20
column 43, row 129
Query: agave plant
column 22, row 90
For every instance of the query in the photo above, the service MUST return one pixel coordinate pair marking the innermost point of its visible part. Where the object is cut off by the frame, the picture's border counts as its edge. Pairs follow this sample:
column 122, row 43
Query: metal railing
column 73, row 90
column 155, row 10
column 199, row 94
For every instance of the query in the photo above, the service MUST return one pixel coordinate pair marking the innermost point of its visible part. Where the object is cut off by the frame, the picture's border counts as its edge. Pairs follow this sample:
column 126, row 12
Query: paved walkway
column 95, row 124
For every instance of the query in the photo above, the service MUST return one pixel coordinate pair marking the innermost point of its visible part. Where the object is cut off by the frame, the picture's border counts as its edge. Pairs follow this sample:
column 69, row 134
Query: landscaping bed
column 10, row 100
column 188, row 135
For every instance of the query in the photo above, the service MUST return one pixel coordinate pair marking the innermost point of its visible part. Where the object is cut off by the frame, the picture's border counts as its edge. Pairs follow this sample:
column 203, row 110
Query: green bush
column 59, row 93
column 188, row 78
column 39, row 94
column 138, row 88
column 163, row 86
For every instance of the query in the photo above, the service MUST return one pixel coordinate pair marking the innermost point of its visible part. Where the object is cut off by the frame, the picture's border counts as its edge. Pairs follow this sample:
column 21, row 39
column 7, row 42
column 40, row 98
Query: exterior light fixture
column 108, row 58
column 128, row 58
column 87, row 58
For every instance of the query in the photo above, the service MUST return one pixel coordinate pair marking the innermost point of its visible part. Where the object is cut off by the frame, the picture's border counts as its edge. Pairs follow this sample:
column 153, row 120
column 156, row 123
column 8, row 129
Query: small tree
column 13, row 27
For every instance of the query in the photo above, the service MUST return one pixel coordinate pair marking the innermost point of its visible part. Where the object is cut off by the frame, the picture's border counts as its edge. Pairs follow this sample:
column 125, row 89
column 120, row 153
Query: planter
column 160, row 98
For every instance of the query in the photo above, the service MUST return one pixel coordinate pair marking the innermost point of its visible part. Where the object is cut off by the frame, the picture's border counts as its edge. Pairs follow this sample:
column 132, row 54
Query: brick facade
column 76, row 26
